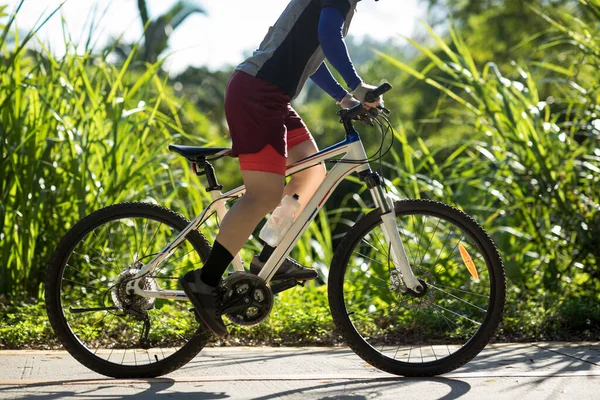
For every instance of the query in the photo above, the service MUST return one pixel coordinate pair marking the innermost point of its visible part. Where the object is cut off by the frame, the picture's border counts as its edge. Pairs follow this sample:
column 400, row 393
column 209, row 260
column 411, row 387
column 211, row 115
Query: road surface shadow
column 59, row 390
column 165, row 387
column 352, row 390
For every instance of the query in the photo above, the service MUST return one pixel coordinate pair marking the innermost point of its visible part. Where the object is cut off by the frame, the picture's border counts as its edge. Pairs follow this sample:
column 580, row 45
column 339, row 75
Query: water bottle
column 280, row 221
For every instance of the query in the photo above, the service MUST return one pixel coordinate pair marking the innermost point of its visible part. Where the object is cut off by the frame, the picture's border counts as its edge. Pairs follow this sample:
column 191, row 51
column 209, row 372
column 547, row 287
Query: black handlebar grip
column 372, row 96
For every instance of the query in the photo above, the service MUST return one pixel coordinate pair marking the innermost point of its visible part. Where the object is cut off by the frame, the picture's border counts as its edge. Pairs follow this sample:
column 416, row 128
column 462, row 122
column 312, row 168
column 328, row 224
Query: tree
column 494, row 29
column 157, row 32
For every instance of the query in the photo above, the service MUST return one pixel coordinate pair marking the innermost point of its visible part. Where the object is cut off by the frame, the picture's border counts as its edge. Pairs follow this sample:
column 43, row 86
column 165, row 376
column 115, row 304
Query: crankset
column 247, row 299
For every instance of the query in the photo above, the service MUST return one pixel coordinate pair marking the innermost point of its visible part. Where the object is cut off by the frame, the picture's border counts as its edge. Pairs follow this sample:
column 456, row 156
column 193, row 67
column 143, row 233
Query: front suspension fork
column 392, row 235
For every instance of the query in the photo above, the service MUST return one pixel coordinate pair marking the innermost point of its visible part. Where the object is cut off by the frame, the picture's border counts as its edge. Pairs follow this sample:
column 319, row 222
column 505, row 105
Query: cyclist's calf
column 305, row 184
column 263, row 194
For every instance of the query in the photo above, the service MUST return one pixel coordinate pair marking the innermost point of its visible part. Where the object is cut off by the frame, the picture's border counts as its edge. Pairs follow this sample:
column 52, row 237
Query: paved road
column 502, row 371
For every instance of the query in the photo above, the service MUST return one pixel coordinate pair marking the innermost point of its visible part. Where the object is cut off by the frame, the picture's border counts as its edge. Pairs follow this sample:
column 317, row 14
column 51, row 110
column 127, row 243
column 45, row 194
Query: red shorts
column 268, row 159
column 262, row 123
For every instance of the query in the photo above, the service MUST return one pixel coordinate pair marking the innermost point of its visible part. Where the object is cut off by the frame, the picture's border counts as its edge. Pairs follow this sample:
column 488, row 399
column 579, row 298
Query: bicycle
column 415, row 287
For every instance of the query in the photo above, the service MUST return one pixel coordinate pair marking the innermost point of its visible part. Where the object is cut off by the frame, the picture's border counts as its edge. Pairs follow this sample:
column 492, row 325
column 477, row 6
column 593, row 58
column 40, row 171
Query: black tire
column 363, row 347
column 54, row 281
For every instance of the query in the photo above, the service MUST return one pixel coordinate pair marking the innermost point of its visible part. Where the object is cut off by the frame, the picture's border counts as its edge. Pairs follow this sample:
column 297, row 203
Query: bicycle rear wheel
column 418, row 334
column 104, row 327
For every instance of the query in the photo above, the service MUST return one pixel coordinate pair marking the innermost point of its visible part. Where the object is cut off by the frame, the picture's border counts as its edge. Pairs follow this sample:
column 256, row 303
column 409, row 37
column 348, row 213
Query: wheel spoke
column 441, row 249
column 371, row 275
column 373, row 247
column 127, row 243
column 453, row 250
column 463, row 291
column 457, row 314
column 408, row 244
column 430, row 240
column 82, row 273
column 151, row 241
column 94, row 250
column 80, row 283
column 417, row 238
column 170, row 262
column 379, row 241
column 458, row 298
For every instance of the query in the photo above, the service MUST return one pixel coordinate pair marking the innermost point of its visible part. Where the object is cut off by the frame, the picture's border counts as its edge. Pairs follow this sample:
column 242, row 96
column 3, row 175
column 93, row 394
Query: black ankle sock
column 215, row 266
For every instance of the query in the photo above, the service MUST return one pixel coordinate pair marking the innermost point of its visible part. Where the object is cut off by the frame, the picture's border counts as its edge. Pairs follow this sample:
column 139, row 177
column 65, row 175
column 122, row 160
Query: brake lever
column 367, row 119
column 367, row 116
column 384, row 110
column 359, row 113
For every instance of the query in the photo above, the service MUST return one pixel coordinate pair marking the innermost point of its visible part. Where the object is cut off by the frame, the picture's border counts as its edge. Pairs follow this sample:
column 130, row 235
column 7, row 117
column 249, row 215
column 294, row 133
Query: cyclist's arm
column 327, row 82
column 331, row 37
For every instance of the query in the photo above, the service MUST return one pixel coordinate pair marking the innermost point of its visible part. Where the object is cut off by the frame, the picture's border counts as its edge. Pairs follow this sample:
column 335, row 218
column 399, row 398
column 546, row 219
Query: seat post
column 209, row 171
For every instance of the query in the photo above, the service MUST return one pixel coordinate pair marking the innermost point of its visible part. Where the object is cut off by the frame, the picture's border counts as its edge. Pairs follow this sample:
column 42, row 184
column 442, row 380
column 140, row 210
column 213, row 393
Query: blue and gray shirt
column 296, row 46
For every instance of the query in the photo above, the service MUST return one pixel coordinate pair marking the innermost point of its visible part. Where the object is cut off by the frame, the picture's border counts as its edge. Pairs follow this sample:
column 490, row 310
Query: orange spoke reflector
column 468, row 261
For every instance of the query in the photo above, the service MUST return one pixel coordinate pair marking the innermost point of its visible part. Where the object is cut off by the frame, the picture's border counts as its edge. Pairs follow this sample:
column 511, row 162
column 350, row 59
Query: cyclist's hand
column 348, row 101
column 361, row 91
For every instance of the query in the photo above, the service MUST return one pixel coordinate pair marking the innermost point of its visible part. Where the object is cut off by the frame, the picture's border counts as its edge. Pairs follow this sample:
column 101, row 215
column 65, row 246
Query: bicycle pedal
column 285, row 285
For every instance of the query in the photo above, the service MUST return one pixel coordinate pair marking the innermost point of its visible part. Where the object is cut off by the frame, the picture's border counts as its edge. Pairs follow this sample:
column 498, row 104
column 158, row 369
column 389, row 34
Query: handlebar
column 372, row 96
column 348, row 114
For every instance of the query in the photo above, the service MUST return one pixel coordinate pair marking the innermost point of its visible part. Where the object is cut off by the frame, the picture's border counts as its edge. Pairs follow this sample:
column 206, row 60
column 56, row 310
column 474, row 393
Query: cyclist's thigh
column 300, row 143
column 256, row 112
column 263, row 184
column 302, row 150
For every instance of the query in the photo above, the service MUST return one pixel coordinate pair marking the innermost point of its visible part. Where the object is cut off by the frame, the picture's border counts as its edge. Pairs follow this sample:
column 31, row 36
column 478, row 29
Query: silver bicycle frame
column 353, row 160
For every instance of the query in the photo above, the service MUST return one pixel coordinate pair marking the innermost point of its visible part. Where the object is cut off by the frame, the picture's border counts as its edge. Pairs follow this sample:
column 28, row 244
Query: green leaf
column 556, row 68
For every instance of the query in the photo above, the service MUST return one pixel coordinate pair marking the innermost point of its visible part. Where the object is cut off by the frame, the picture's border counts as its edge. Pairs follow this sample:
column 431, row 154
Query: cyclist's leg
column 304, row 183
column 264, row 177
column 300, row 144
column 255, row 113
column 263, row 193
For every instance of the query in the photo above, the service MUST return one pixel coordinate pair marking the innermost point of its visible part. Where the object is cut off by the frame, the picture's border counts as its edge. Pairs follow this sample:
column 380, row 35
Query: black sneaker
column 206, row 301
column 289, row 269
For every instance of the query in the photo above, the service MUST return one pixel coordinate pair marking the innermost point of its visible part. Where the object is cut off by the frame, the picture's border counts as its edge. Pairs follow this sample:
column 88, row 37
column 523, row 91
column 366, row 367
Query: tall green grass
column 530, row 171
column 79, row 133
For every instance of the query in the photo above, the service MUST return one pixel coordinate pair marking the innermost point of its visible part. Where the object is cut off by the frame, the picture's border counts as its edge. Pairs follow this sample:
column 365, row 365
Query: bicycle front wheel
column 424, row 334
column 102, row 325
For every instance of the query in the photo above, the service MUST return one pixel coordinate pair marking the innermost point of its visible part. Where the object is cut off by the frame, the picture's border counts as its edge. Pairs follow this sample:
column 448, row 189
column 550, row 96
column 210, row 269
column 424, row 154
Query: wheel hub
column 125, row 300
column 422, row 293
column 419, row 299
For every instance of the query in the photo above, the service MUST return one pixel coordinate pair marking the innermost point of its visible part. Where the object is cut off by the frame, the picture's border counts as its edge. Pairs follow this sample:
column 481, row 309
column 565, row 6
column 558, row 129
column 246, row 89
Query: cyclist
column 267, row 134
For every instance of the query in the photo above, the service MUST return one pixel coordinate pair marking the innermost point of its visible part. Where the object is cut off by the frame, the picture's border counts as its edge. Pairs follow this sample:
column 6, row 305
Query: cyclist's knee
column 313, row 175
column 265, row 201
column 265, row 193
column 319, row 172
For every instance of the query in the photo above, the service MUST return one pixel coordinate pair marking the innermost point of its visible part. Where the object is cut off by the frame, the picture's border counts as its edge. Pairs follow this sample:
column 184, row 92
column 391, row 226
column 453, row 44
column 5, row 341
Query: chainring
column 249, row 296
